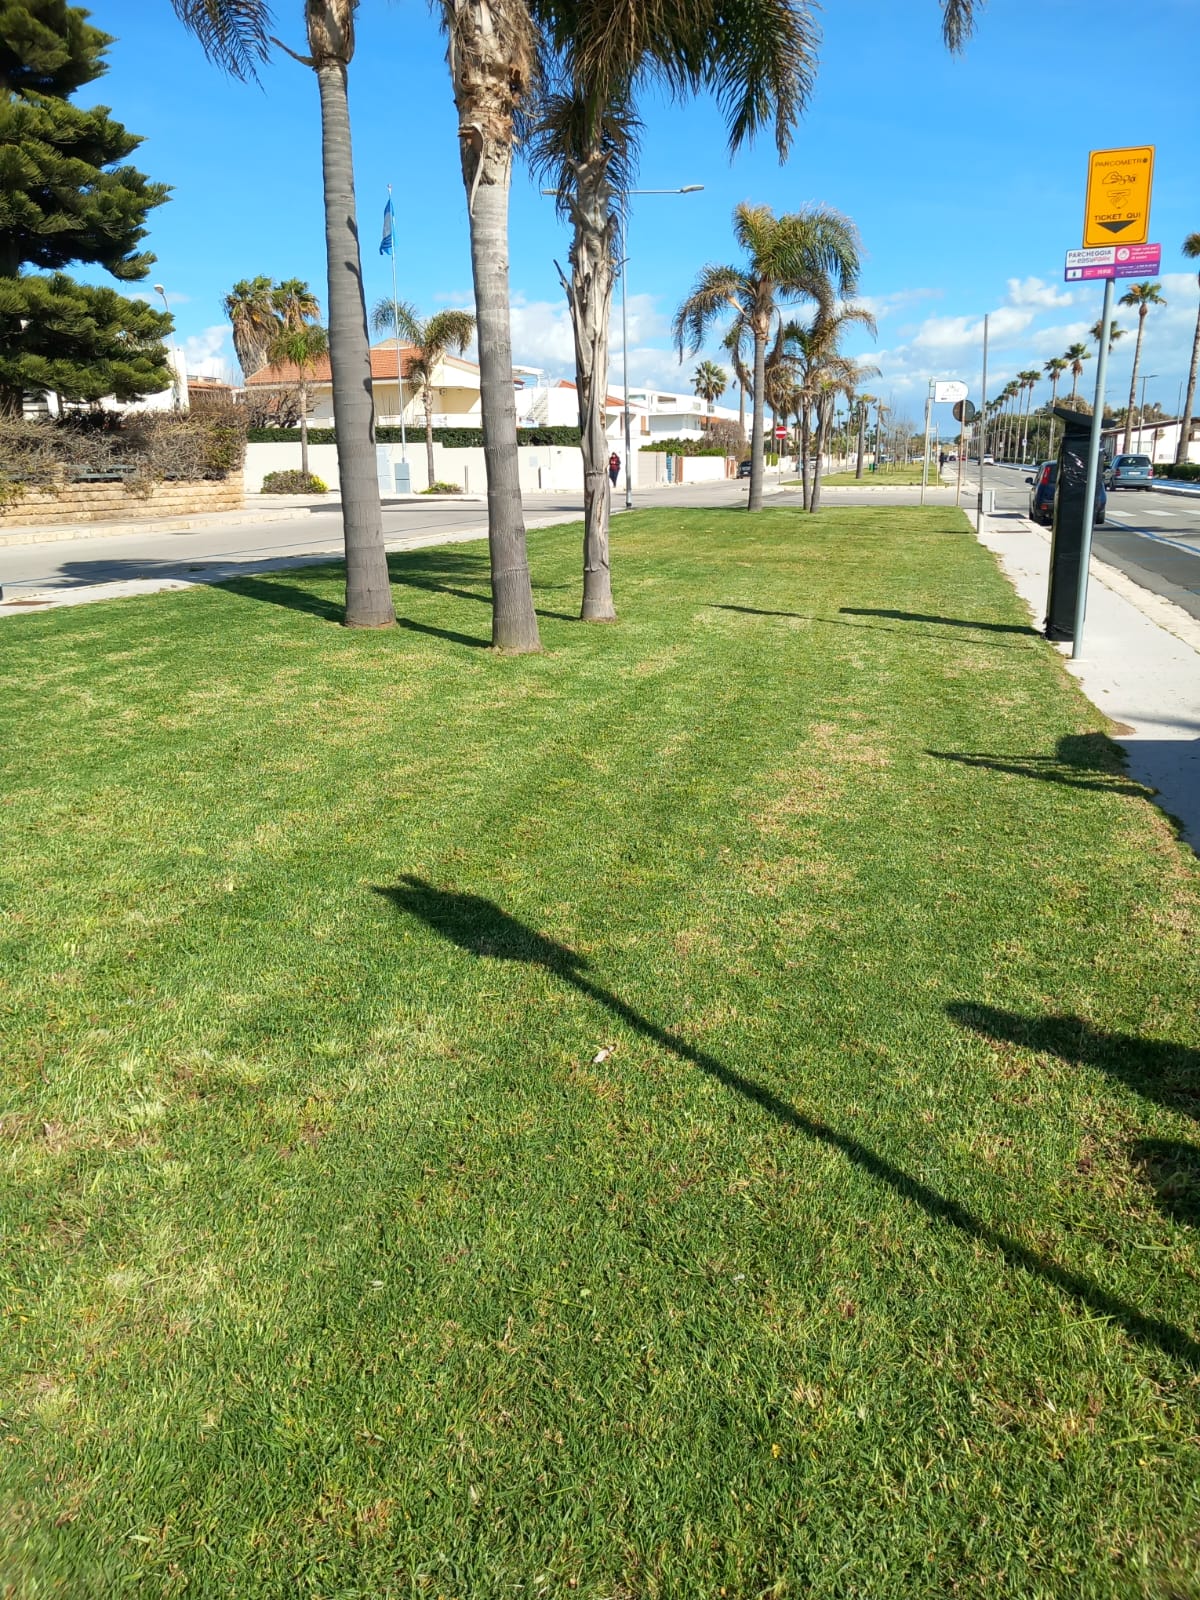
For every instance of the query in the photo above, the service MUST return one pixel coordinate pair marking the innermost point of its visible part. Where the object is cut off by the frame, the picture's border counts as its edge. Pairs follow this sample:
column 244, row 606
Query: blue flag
column 385, row 244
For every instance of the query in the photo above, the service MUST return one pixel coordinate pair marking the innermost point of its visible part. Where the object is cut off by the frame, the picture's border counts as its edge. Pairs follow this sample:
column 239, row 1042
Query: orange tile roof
column 383, row 365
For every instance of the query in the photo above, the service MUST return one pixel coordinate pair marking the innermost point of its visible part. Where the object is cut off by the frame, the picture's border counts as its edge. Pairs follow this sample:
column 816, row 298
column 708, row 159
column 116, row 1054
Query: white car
column 989, row 461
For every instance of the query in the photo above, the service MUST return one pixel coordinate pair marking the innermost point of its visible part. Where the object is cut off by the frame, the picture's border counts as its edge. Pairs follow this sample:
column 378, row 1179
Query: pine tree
column 67, row 195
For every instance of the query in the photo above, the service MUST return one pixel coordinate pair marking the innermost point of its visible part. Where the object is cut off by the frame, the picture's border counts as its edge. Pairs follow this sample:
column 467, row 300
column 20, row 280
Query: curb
column 53, row 532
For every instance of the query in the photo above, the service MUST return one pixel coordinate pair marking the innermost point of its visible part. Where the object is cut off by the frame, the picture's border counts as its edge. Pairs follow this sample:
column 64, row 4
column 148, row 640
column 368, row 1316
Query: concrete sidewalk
column 1140, row 664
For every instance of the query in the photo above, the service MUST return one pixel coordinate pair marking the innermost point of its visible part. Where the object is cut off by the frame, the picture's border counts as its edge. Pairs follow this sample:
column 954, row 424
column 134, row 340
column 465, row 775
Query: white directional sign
column 949, row 389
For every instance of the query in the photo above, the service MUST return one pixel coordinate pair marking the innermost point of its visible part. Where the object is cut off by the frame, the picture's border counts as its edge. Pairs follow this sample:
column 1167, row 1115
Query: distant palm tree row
column 576, row 71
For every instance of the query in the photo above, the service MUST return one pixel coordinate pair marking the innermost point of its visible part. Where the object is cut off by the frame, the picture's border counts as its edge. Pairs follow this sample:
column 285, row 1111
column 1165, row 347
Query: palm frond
column 448, row 330
column 716, row 291
column 234, row 34
column 760, row 65
column 400, row 318
column 573, row 142
column 958, row 23
column 1191, row 246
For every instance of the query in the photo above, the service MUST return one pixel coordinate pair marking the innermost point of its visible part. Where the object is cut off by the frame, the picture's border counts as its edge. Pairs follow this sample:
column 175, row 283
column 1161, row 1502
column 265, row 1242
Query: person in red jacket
column 614, row 467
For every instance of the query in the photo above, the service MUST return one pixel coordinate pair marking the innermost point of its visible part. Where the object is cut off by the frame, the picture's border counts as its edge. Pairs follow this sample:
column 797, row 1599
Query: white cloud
column 1036, row 292
column 209, row 354
column 542, row 337
column 958, row 334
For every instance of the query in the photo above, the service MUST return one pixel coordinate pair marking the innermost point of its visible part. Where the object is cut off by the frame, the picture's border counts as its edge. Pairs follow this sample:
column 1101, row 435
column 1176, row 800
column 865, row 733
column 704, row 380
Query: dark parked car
column 743, row 469
column 1129, row 472
column 1041, row 495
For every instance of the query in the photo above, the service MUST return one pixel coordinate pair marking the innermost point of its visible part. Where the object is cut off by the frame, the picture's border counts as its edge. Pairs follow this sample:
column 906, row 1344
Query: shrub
column 684, row 447
column 156, row 444
column 443, row 488
column 293, row 482
column 1184, row 472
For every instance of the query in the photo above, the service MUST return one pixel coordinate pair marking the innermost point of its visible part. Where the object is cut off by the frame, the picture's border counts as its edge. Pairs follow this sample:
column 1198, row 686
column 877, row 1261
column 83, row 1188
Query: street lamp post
column 176, row 383
column 687, row 188
column 1142, row 410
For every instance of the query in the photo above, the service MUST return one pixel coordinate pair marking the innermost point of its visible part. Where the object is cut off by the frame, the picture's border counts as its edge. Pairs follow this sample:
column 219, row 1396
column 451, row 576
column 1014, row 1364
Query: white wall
column 557, row 468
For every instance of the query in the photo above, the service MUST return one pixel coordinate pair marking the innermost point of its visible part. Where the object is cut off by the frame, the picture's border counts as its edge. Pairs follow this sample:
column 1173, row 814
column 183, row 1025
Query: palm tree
column 734, row 343
column 492, row 52
column 1076, row 355
column 1029, row 382
column 811, row 254
column 295, row 303
column 1143, row 296
column 710, row 381
column 865, row 402
column 1191, row 251
column 757, row 61
column 254, row 320
column 1115, row 332
column 1054, row 369
column 233, row 33
column 300, row 345
column 822, row 374
column 436, row 337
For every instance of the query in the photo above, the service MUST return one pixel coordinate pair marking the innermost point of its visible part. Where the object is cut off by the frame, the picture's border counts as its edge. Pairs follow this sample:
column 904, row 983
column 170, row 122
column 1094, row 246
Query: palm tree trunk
column 862, row 438
column 368, row 588
column 756, row 423
column 589, row 294
column 304, row 433
column 429, row 462
column 1137, row 356
column 742, row 407
column 1185, row 422
column 823, row 409
column 805, row 487
column 514, row 622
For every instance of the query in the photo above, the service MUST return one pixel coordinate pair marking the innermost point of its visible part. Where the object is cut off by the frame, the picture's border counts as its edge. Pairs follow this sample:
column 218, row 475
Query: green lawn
column 707, row 1110
column 892, row 476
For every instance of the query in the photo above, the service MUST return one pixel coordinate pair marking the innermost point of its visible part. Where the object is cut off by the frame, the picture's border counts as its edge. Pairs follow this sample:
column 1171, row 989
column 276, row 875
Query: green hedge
column 452, row 438
column 1185, row 472
column 684, row 447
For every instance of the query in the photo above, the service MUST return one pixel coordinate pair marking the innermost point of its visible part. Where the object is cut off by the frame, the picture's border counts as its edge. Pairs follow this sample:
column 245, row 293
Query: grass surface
column 706, row 1110
column 893, row 476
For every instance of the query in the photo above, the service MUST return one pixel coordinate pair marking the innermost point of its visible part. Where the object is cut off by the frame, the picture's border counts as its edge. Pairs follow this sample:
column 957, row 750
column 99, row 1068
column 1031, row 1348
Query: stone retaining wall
column 112, row 502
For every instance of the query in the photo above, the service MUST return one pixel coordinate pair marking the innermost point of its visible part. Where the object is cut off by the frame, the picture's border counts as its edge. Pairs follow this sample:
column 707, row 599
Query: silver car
column 1129, row 472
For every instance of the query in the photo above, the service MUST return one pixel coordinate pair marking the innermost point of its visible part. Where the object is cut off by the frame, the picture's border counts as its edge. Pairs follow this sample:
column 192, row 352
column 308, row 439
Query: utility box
column 1070, row 512
column 403, row 477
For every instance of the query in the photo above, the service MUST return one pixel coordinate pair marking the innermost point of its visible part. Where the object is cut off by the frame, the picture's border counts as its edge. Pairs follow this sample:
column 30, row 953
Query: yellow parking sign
column 1118, row 196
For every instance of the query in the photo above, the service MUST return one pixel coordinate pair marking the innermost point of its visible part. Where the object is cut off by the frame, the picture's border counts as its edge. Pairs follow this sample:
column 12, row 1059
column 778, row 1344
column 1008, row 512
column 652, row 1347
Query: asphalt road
column 227, row 549
column 1152, row 538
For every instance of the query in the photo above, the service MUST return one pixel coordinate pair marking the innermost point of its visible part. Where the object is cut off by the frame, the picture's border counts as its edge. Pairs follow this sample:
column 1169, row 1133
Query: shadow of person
column 1080, row 761
column 482, row 929
column 1158, row 1069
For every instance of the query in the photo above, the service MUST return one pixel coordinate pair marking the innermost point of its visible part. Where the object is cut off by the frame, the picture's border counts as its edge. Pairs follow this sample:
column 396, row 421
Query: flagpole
column 396, row 328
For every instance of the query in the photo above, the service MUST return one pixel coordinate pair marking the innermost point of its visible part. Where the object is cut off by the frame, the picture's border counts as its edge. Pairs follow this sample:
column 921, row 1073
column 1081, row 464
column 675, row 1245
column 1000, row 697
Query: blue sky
column 965, row 176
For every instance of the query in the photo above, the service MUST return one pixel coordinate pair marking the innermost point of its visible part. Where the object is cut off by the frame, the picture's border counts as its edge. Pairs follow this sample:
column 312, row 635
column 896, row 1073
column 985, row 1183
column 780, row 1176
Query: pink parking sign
column 1112, row 261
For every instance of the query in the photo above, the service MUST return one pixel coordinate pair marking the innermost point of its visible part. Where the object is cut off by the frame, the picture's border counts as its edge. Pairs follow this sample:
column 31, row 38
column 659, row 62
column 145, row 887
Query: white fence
column 557, row 468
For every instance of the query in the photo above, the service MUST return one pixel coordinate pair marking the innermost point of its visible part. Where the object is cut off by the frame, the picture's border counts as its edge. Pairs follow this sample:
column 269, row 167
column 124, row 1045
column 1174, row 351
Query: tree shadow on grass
column 410, row 580
column 291, row 596
column 837, row 622
column 449, row 634
column 481, row 928
column 945, row 622
column 1080, row 761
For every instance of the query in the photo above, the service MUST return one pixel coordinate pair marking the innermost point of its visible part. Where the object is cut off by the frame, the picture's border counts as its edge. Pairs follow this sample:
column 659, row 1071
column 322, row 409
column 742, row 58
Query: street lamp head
column 691, row 188
column 158, row 289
